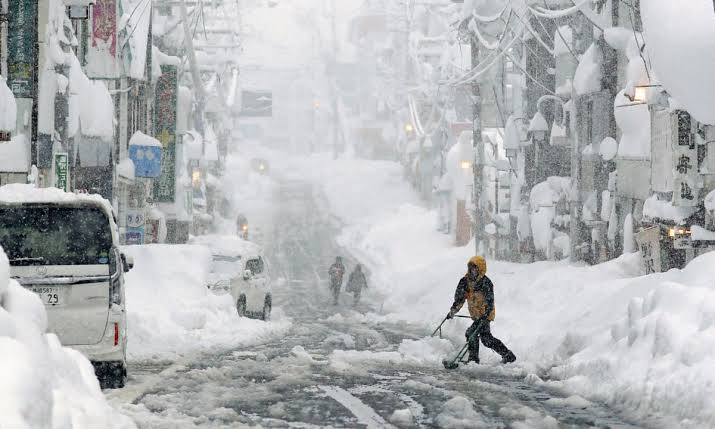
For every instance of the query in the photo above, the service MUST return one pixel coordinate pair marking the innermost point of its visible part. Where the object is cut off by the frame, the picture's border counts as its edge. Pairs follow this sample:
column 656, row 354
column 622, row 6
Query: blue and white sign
column 147, row 160
column 135, row 229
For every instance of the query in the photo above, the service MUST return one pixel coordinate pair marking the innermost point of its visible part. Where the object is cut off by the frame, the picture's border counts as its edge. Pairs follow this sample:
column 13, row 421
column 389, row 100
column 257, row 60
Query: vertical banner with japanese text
column 61, row 171
column 165, row 131
column 685, row 164
column 22, row 47
column 102, row 60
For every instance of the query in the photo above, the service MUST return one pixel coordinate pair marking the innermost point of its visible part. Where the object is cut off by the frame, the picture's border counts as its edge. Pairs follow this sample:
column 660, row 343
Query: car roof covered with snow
column 18, row 194
column 228, row 245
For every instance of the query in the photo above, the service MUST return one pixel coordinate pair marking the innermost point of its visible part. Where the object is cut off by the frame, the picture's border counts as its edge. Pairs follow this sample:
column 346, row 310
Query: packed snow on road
column 357, row 214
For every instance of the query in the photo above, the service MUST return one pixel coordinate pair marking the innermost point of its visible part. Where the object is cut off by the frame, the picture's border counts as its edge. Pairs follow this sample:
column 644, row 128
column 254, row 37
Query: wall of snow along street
column 642, row 344
column 170, row 311
column 44, row 385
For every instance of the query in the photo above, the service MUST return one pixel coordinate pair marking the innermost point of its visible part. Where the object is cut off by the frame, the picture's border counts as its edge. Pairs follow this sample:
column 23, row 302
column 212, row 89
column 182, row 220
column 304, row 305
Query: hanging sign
column 61, row 171
column 102, row 62
column 685, row 164
column 136, row 223
column 22, row 47
column 165, row 131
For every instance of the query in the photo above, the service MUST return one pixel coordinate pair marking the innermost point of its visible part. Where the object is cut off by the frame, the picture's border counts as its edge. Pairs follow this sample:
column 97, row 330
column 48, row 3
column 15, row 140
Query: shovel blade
column 450, row 364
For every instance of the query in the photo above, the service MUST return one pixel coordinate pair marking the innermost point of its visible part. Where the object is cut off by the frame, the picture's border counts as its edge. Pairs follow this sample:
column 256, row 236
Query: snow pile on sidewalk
column 172, row 313
column 642, row 344
column 44, row 385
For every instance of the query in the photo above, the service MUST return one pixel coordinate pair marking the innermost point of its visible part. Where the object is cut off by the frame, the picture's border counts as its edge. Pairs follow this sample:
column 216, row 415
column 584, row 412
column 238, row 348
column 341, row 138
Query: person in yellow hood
column 476, row 288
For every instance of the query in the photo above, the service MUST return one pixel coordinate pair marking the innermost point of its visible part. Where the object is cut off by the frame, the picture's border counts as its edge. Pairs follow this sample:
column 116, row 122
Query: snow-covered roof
column 681, row 40
column 141, row 139
column 227, row 245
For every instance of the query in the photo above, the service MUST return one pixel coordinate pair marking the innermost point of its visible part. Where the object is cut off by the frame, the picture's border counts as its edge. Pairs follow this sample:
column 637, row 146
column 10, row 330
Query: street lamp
column 78, row 9
column 409, row 128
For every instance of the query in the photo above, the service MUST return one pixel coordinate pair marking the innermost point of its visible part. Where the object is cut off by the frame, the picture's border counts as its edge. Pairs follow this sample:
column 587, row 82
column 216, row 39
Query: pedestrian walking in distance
column 476, row 288
column 356, row 282
column 336, row 273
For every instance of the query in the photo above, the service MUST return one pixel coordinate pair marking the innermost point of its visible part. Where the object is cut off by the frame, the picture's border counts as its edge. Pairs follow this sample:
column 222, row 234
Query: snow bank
column 44, row 385
column 642, row 344
column 172, row 313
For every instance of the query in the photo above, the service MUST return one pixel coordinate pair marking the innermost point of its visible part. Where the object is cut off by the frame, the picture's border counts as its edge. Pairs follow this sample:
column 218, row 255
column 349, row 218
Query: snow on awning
column 125, row 169
column 587, row 78
column 134, row 30
column 8, row 108
column 193, row 145
column 141, row 139
column 91, row 109
column 653, row 208
column 15, row 155
column 159, row 59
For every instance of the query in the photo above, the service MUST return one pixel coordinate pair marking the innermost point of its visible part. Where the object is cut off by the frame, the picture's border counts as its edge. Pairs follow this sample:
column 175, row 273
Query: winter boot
column 473, row 358
column 508, row 357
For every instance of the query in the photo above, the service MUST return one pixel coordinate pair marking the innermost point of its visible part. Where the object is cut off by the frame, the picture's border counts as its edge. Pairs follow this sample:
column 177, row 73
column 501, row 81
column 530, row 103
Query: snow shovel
column 439, row 328
column 454, row 363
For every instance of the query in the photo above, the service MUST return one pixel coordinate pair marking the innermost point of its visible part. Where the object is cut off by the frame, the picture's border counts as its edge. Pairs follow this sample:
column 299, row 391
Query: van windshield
column 48, row 235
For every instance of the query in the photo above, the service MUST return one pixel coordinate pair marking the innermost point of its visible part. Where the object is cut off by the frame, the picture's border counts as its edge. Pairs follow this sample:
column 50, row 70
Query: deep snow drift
column 642, row 344
column 44, row 385
column 171, row 312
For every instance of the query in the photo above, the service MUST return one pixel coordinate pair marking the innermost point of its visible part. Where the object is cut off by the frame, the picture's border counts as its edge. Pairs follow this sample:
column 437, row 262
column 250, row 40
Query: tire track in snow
column 363, row 412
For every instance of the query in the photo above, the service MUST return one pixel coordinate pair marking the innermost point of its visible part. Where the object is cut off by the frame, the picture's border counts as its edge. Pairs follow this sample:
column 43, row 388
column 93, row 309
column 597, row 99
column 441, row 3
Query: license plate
column 50, row 295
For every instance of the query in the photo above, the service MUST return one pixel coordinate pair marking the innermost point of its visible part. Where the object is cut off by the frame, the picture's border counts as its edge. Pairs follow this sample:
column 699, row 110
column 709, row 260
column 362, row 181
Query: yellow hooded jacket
column 478, row 293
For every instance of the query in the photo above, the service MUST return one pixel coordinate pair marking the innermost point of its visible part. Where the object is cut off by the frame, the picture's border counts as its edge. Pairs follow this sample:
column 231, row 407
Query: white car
column 63, row 247
column 238, row 268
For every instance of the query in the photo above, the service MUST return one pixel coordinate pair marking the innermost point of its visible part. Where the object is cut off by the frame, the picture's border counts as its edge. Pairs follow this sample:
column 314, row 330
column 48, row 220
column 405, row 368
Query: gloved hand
column 451, row 314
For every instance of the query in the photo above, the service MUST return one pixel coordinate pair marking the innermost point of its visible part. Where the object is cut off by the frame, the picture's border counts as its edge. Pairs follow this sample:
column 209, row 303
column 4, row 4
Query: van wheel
column 111, row 375
column 267, row 306
column 241, row 305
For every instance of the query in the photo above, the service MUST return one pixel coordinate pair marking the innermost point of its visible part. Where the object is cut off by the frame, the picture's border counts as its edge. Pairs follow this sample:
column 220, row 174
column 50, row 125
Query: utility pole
column 336, row 117
column 195, row 74
column 478, row 147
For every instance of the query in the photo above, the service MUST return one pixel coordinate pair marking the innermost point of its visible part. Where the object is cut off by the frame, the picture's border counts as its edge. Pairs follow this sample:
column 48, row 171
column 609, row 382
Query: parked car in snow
column 64, row 247
column 239, row 269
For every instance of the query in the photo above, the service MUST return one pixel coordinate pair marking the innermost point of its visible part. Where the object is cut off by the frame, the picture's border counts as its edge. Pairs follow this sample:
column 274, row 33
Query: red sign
column 104, row 23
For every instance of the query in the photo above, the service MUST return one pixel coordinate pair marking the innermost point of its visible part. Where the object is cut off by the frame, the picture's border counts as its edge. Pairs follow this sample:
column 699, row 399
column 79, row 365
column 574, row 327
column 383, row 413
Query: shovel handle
column 439, row 328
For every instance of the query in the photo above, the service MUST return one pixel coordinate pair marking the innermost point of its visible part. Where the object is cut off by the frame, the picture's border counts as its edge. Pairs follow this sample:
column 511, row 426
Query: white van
column 238, row 268
column 63, row 247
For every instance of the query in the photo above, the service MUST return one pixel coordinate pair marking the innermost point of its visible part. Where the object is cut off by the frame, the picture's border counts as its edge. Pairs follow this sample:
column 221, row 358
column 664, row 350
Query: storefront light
column 196, row 178
column 466, row 165
column 676, row 232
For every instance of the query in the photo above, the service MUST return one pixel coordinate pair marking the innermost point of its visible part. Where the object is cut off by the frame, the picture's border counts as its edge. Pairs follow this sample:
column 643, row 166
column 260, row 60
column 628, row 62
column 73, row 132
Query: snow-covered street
column 335, row 366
